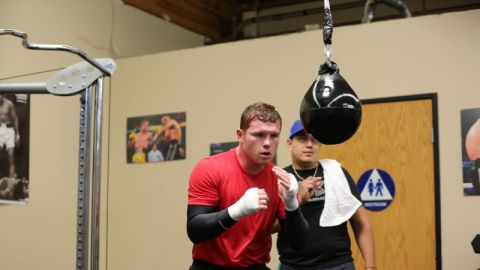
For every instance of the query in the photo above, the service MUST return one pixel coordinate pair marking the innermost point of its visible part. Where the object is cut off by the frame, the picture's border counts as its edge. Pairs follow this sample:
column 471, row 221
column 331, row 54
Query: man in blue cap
column 328, row 244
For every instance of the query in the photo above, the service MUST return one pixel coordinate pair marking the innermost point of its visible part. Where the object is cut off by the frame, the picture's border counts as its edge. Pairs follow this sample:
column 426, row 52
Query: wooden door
column 397, row 137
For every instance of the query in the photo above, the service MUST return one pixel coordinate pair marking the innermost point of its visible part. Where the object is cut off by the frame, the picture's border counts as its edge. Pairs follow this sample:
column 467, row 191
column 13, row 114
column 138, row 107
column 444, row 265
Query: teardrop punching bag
column 330, row 111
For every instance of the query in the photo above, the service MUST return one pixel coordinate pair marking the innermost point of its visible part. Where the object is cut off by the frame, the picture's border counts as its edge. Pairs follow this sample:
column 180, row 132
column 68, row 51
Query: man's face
column 144, row 126
column 165, row 119
column 260, row 141
column 304, row 148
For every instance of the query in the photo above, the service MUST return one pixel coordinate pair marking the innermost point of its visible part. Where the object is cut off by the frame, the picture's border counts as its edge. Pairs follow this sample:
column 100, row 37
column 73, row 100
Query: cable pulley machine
column 86, row 79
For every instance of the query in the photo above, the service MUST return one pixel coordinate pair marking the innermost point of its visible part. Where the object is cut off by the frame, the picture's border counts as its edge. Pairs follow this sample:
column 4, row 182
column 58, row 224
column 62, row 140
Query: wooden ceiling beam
column 250, row 5
column 206, row 18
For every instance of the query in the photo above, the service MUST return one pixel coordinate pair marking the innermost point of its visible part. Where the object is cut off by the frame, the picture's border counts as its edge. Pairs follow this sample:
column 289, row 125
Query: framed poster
column 470, row 122
column 156, row 138
column 217, row 148
column 14, row 148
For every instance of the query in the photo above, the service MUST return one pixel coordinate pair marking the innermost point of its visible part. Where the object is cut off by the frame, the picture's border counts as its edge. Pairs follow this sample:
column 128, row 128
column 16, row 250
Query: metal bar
column 257, row 15
column 53, row 47
column 295, row 14
column 83, row 208
column 24, row 88
column 96, row 184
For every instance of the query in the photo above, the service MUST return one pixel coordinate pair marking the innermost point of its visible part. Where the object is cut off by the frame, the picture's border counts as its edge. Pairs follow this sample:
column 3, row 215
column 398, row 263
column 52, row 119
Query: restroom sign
column 377, row 189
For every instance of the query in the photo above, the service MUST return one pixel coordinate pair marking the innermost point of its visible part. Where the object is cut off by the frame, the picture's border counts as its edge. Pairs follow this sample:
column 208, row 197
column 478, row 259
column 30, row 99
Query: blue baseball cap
column 296, row 128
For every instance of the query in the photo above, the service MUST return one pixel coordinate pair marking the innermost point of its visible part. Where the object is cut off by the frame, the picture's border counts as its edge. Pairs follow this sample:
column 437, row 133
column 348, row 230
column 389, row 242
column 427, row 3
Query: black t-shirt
column 325, row 246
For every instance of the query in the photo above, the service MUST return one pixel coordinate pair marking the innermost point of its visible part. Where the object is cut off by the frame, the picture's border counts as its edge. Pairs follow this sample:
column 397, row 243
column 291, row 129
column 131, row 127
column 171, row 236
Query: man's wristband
column 224, row 219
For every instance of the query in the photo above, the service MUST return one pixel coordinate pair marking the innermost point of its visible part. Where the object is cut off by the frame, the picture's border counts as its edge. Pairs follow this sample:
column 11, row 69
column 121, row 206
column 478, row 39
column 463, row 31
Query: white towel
column 340, row 204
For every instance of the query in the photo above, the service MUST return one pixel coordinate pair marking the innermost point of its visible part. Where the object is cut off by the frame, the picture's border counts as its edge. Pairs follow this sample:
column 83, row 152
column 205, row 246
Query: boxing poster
column 217, row 148
column 14, row 148
column 156, row 138
column 470, row 122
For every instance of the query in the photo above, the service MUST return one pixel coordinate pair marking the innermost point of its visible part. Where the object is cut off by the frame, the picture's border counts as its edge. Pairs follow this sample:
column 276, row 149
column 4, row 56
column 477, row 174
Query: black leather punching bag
column 330, row 110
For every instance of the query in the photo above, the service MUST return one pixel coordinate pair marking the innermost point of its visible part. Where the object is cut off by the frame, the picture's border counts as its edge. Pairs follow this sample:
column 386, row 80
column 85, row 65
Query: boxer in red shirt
column 235, row 197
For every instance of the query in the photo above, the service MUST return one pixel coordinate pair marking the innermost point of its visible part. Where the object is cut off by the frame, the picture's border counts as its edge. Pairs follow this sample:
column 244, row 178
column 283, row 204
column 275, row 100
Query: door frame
column 436, row 160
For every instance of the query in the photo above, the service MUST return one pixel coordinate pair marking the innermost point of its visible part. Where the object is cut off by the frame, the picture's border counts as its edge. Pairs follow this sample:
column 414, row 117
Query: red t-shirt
column 219, row 180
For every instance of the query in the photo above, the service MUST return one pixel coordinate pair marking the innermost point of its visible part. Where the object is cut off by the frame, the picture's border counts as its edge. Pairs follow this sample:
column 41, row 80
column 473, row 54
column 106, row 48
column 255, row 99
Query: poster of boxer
column 217, row 148
column 156, row 138
column 470, row 122
column 14, row 148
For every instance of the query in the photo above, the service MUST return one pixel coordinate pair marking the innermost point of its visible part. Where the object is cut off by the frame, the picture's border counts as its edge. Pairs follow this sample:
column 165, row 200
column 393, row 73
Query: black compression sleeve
column 295, row 227
column 206, row 222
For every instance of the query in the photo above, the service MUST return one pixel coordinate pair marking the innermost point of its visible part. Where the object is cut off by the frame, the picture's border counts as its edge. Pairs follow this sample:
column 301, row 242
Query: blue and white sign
column 376, row 189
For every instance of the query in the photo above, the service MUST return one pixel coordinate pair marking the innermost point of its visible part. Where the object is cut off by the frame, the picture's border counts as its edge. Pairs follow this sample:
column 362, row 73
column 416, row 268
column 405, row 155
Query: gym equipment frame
column 84, row 78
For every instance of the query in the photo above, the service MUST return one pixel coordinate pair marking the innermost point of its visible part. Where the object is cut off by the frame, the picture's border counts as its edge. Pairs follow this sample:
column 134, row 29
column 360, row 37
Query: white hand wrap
column 246, row 205
column 290, row 195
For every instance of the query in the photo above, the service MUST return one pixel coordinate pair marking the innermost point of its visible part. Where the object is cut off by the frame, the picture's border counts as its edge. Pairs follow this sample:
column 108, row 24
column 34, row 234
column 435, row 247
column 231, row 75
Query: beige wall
column 42, row 235
column 100, row 28
column 147, row 203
